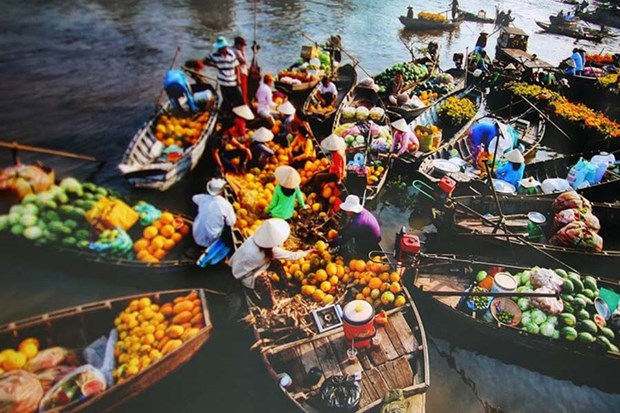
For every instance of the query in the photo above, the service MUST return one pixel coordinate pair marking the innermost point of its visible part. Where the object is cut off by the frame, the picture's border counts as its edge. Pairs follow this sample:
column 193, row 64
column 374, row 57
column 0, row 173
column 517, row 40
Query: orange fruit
column 316, row 207
column 169, row 244
column 140, row 245
column 176, row 237
column 374, row 282
column 394, row 277
column 331, row 269
column 184, row 230
column 150, row 232
column 321, row 275
column 166, row 218
column 326, row 286
column 157, row 224
column 167, row 230
column 160, row 253
column 142, row 254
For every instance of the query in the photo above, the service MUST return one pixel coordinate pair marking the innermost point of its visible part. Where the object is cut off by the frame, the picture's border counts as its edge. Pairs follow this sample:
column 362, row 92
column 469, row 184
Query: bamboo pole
column 17, row 146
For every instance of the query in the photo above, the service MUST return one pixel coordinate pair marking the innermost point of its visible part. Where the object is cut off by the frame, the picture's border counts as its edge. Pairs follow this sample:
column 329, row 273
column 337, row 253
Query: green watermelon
column 568, row 319
column 588, row 326
column 585, row 337
column 569, row 333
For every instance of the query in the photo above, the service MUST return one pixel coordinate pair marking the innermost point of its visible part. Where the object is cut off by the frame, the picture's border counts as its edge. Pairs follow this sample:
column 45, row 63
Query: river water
column 83, row 76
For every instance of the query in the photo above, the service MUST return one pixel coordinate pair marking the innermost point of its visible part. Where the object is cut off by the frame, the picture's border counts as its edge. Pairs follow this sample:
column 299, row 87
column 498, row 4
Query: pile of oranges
column 160, row 237
column 376, row 284
column 147, row 331
column 374, row 174
column 311, row 168
column 182, row 132
column 11, row 359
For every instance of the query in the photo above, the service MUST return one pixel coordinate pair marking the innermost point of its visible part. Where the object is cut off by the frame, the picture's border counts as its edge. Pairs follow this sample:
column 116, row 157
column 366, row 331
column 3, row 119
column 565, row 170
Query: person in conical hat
column 261, row 252
column 337, row 167
column 404, row 138
column 214, row 214
column 286, row 193
column 237, row 128
column 363, row 228
column 261, row 153
column 512, row 168
column 233, row 133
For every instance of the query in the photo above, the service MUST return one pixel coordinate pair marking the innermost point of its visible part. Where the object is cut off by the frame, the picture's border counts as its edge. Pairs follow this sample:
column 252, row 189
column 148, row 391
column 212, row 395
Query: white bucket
column 503, row 282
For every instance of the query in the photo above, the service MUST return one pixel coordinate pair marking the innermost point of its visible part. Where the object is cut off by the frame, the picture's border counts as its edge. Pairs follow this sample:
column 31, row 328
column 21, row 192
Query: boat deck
column 383, row 367
column 440, row 282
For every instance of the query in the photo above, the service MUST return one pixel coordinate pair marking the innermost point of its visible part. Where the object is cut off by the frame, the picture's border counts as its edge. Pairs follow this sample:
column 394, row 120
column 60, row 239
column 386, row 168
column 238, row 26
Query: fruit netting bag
column 544, row 277
column 341, row 392
column 577, row 234
column 567, row 216
column 549, row 305
column 20, row 392
column 569, row 200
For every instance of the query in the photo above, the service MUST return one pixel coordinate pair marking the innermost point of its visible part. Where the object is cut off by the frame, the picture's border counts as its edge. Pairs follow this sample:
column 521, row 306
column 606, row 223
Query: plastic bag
column 576, row 234
column 569, row 200
column 577, row 174
column 100, row 354
column 49, row 377
column 20, row 392
column 549, row 305
column 394, row 402
column 48, row 358
column 544, row 277
column 567, row 216
column 551, row 185
column 341, row 392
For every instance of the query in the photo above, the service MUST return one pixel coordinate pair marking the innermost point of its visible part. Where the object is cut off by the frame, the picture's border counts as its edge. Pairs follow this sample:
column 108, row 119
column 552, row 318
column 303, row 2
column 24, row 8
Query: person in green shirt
column 286, row 193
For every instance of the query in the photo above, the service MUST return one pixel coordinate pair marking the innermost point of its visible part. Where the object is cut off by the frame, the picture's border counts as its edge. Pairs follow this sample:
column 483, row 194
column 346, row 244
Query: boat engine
column 406, row 245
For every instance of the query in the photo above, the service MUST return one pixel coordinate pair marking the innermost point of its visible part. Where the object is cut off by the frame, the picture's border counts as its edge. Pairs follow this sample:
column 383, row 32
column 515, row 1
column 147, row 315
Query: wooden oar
column 546, row 117
column 174, row 60
column 198, row 74
column 17, row 146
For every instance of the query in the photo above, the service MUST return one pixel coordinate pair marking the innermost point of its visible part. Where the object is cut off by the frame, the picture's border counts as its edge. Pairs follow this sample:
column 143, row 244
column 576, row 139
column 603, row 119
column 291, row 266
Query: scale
column 328, row 317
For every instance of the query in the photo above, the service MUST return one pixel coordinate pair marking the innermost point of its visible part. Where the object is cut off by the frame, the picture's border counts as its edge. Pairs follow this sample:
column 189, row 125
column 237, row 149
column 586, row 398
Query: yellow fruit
column 308, row 290
column 316, row 207
column 395, row 287
column 333, row 280
column 321, row 275
column 326, row 286
column 150, row 232
column 318, row 295
column 166, row 218
column 320, row 245
column 331, row 269
column 387, row 297
column 14, row 361
column 328, row 299
column 144, row 302
column 375, row 293
column 29, row 350
column 394, row 277
column 399, row 301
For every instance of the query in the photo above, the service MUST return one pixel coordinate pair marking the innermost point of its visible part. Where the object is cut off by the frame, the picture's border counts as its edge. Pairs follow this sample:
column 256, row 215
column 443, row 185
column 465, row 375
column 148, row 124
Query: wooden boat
column 141, row 164
column 423, row 24
column 345, row 79
column 447, row 318
column 431, row 117
column 357, row 184
column 607, row 16
column 409, row 114
column 76, row 328
column 512, row 48
column 531, row 129
column 475, row 17
column 467, row 225
column 582, row 33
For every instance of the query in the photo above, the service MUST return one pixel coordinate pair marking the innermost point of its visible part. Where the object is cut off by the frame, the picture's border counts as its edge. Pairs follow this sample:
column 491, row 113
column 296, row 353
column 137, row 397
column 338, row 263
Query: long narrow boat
column 530, row 126
column 424, row 24
column 345, row 78
column 475, row 17
column 449, row 318
column 76, row 328
column 466, row 225
column 409, row 114
column 361, row 96
column 431, row 117
column 146, row 164
column 582, row 33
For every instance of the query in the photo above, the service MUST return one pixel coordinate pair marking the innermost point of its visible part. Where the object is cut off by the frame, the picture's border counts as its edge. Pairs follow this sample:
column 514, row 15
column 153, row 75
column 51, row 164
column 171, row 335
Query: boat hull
column 421, row 24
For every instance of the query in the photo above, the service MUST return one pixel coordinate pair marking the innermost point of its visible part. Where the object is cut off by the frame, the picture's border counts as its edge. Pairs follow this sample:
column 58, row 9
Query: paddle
column 17, row 146
column 546, row 117
column 161, row 93
column 199, row 75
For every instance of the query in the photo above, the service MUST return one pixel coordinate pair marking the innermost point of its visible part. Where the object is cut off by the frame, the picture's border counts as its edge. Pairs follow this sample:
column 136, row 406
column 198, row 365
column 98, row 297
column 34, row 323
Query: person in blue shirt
column 511, row 170
column 176, row 85
column 480, row 135
column 576, row 57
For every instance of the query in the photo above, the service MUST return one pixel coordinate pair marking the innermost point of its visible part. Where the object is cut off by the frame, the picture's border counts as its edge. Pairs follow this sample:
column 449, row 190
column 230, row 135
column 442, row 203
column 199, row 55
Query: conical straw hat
column 514, row 156
column 400, row 125
column 287, row 176
column 262, row 134
column 243, row 111
column 333, row 143
column 286, row 108
column 272, row 233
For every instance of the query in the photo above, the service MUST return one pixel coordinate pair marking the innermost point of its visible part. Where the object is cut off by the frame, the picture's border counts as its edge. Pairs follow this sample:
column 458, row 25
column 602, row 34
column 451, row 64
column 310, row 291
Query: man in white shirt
column 264, row 98
column 327, row 92
column 214, row 214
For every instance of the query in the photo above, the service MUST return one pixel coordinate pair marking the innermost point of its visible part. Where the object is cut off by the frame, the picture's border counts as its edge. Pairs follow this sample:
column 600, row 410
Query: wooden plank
column 377, row 382
column 326, row 356
column 384, row 351
column 404, row 332
column 308, row 357
column 367, row 395
column 393, row 335
column 365, row 361
column 291, row 362
column 398, row 373
column 340, row 346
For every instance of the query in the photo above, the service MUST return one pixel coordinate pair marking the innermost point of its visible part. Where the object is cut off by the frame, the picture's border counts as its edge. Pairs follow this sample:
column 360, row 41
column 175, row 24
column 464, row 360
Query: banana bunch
column 114, row 242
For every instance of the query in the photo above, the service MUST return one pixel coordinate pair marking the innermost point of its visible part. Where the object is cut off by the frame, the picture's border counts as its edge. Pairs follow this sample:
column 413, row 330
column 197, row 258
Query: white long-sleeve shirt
column 249, row 261
column 264, row 97
column 214, row 212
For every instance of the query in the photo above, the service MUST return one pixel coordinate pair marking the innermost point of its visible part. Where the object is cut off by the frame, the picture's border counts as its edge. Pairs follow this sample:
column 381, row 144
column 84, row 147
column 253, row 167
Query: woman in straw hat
column 363, row 228
column 234, row 133
column 511, row 170
column 261, row 153
column 337, row 168
column 403, row 138
column 260, row 252
column 214, row 214
column 286, row 193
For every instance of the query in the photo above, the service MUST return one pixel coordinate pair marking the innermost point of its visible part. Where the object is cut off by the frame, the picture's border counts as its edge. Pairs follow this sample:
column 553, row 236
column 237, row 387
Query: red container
column 410, row 244
column 447, row 185
column 358, row 320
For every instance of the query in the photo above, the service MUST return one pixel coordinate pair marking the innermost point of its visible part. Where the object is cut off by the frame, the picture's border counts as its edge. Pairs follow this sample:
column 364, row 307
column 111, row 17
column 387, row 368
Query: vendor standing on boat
column 403, row 138
column 234, row 133
column 214, row 214
column 327, row 93
column 264, row 100
column 337, row 168
column 176, row 85
column 481, row 43
column 479, row 137
column 409, row 12
column 261, row 153
column 455, row 9
column 228, row 73
column 286, row 193
column 578, row 60
column 261, row 252
column 363, row 228
column 511, row 169
column 239, row 50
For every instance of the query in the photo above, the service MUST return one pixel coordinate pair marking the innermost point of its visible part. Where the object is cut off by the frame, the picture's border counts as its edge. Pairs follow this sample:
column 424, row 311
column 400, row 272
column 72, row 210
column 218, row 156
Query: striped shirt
column 226, row 65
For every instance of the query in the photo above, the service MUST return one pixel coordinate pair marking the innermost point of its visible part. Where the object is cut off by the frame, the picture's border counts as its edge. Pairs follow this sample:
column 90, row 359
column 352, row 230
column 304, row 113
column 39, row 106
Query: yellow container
column 309, row 52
